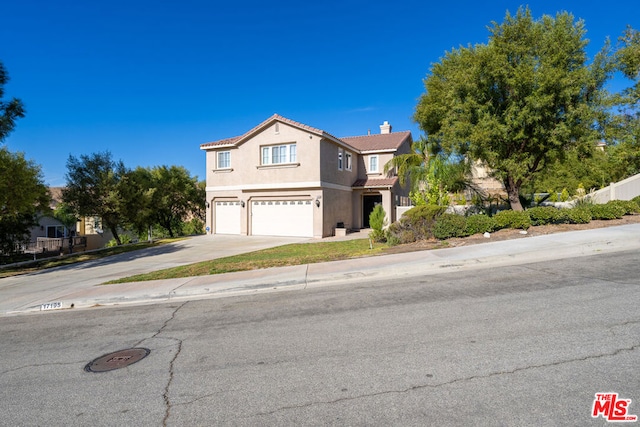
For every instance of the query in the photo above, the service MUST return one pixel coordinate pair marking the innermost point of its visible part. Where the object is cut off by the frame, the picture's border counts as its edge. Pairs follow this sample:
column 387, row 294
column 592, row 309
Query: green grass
column 293, row 254
column 52, row 262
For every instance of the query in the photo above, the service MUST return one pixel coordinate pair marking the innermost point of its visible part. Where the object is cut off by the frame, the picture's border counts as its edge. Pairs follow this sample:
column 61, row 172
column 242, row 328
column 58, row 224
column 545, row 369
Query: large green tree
column 23, row 196
column 92, row 188
column 176, row 197
column 9, row 110
column 164, row 196
column 136, row 191
column 518, row 102
column 623, row 126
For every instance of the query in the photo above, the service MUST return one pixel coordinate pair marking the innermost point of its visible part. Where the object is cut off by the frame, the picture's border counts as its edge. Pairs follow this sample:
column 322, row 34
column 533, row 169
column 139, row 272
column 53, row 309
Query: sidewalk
column 387, row 267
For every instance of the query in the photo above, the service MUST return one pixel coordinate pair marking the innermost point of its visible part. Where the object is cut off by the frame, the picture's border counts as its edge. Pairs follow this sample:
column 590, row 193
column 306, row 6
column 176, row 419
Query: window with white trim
column 224, row 160
column 277, row 154
column 373, row 164
column 347, row 161
column 340, row 157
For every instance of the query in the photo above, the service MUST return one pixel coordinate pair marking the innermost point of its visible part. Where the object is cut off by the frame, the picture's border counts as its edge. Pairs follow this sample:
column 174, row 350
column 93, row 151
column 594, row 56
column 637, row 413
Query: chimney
column 385, row 127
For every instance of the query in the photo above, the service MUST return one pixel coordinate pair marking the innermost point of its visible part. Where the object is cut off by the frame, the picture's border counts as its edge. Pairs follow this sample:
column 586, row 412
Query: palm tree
column 413, row 166
column 428, row 170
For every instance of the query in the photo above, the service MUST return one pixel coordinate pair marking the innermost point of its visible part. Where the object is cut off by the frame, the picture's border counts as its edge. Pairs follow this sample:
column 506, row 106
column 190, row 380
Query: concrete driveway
column 25, row 290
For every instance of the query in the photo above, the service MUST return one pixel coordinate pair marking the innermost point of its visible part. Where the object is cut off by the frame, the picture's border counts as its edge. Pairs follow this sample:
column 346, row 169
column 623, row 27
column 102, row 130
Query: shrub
column 377, row 221
column 426, row 212
column 416, row 224
column 636, row 199
column 629, row 206
column 585, row 201
column 564, row 195
column 512, row 219
column 480, row 224
column 124, row 239
column 577, row 215
column 193, row 227
column 607, row 211
column 449, row 225
column 542, row 215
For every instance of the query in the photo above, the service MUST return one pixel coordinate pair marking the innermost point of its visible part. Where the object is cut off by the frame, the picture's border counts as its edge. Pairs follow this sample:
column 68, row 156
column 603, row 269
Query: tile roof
column 228, row 141
column 375, row 182
column 275, row 117
column 385, row 141
column 377, row 142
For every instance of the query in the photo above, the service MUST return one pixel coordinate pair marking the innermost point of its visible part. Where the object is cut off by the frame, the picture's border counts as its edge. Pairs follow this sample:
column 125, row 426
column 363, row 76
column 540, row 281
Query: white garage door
column 282, row 218
column 227, row 215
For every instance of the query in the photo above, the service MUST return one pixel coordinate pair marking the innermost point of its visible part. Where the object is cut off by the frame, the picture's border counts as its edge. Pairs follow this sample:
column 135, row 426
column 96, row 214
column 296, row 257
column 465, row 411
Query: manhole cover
column 117, row 360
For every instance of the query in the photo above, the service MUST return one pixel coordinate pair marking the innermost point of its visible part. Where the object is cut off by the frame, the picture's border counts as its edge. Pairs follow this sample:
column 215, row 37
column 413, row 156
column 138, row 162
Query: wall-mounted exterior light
column 242, row 203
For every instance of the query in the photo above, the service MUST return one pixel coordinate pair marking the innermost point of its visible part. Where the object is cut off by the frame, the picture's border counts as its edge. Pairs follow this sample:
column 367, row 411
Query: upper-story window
column 373, row 164
column 340, row 158
column 347, row 161
column 276, row 154
column 224, row 159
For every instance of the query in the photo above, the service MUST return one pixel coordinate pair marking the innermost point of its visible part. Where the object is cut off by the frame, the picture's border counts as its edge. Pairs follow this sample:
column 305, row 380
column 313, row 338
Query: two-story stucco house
column 284, row 178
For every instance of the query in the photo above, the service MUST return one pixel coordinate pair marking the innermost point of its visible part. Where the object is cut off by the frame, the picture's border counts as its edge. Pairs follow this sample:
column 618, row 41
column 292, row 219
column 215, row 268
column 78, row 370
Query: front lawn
column 293, row 254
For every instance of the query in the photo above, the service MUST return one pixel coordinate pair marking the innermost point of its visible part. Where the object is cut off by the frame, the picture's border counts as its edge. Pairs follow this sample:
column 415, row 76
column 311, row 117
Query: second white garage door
column 282, row 218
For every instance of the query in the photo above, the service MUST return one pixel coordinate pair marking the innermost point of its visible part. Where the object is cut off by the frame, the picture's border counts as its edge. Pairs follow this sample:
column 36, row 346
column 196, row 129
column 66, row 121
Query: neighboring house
column 284, row 178
column 485, row 184
column 52, row 235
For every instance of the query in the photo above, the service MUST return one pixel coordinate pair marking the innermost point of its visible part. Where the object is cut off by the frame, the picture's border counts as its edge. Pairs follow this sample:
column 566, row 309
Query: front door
column 368, row 203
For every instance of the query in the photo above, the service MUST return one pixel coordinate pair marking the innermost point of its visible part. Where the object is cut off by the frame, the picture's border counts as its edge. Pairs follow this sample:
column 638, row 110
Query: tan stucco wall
column 315, row 174
column 337, row 207
column 245, row 160
column 329, row 161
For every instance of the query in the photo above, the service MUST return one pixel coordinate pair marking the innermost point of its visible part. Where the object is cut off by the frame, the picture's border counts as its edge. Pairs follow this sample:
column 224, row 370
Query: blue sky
column 152, row 80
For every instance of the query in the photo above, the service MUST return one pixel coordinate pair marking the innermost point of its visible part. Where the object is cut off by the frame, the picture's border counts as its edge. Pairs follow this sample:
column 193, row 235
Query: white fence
column 51, row 244
column 626, row 189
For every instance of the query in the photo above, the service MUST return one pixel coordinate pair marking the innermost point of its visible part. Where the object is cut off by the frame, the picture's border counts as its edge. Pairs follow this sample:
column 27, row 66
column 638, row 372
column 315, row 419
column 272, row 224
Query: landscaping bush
column 607, row 211
column 480, row 224
column 377, row 221
column 577, row 215
column 637, row 200
column 543, row 215
column 449, row 225
column 629, row 206
column 416, row 224
column 426, row 212
column 512, row 219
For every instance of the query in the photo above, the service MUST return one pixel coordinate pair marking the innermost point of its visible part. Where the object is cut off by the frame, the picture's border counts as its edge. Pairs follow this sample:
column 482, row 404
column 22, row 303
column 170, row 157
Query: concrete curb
column 386, row 267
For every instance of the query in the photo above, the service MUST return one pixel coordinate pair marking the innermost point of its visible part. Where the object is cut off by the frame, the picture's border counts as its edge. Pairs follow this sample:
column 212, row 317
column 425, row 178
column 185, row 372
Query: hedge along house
column 284, row 178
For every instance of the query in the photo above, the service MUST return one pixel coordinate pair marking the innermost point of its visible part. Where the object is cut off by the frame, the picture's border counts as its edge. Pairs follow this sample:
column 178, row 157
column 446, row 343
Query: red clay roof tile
column 377, row 142
column 375, row 182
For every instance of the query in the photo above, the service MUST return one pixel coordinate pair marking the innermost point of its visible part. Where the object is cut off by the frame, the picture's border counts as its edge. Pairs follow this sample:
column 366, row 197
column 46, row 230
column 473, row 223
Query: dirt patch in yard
column 508, row 234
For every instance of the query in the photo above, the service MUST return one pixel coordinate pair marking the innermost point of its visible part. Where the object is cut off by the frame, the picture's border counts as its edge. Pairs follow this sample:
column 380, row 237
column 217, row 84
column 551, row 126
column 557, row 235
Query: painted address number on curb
column 50, row 306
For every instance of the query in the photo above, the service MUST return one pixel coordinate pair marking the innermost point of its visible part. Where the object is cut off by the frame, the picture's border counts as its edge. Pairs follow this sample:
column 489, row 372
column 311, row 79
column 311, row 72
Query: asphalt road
column 517, row 345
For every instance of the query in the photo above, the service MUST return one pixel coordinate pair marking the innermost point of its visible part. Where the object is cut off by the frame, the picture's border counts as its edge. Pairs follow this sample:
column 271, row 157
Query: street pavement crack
column 454, row 381
column 165, row 393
